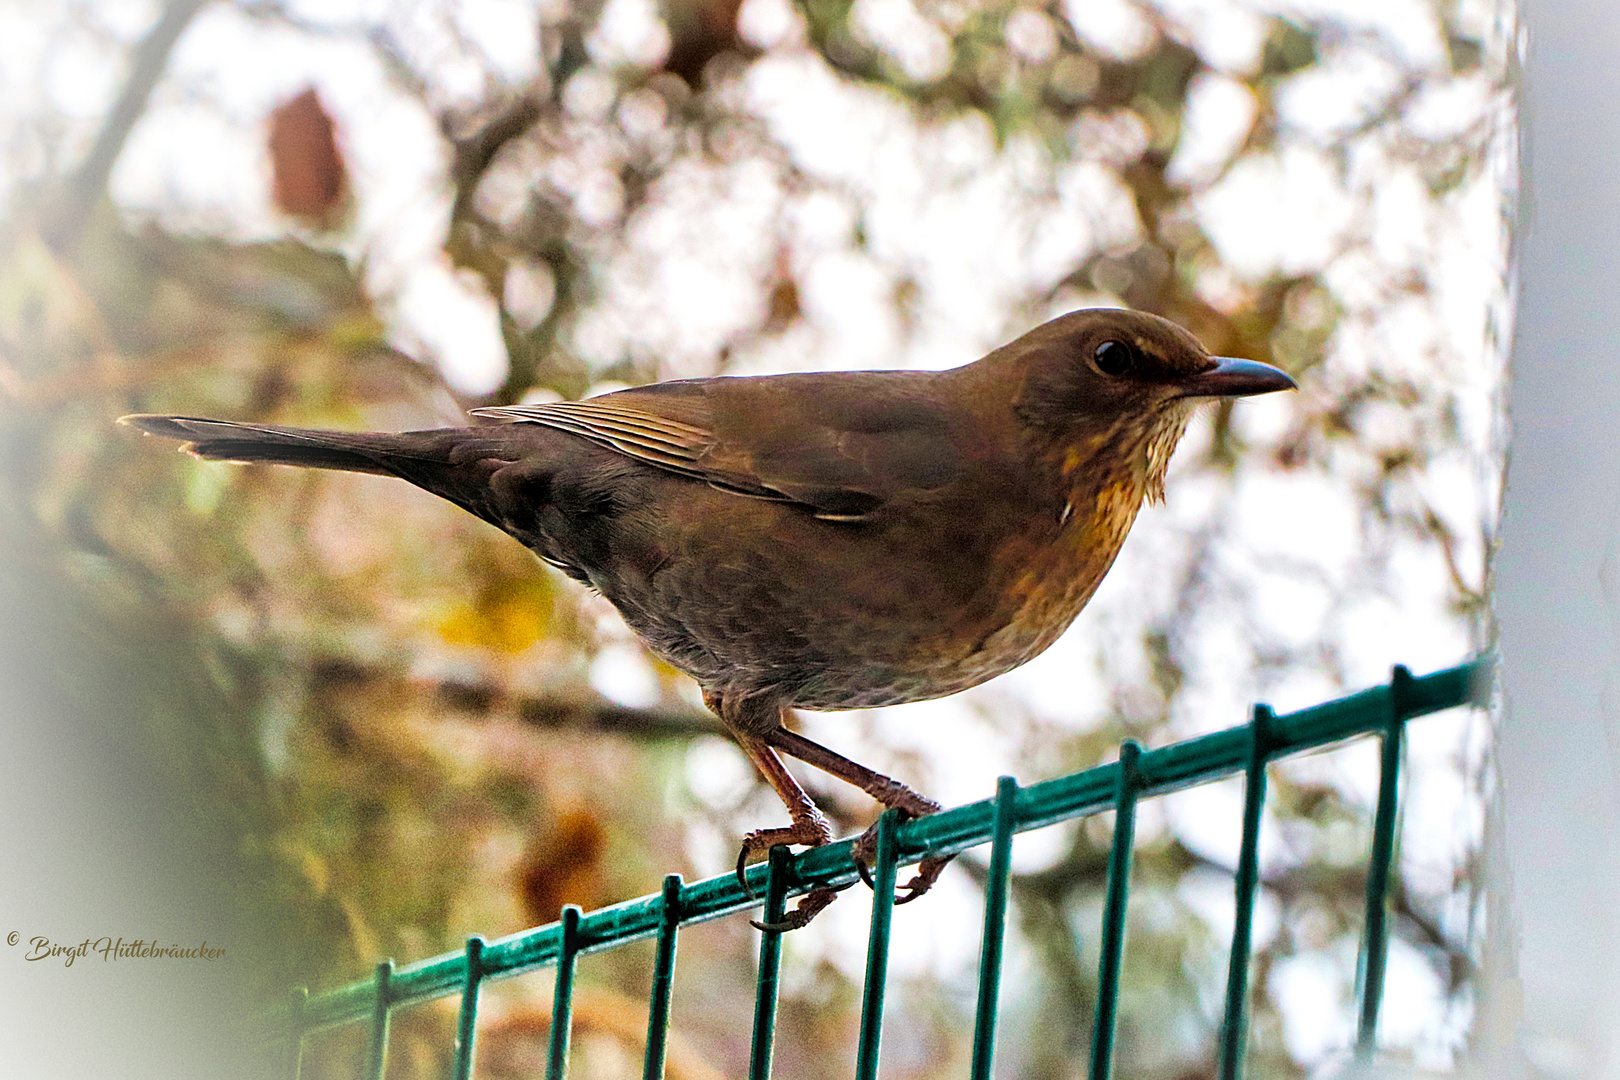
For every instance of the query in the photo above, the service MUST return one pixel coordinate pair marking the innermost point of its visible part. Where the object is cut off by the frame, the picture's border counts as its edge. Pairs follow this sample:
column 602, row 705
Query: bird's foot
column 911, row 805
column 928, row 872
column 811, row 830
column 808, row 907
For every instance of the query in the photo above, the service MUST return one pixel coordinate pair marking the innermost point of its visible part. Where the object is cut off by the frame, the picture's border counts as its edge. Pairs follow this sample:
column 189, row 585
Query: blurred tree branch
column 88, row 183
column 595, row 714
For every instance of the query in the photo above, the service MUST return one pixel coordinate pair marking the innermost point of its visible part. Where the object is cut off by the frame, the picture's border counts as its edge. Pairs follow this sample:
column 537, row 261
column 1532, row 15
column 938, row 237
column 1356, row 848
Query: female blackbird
column 823, row 541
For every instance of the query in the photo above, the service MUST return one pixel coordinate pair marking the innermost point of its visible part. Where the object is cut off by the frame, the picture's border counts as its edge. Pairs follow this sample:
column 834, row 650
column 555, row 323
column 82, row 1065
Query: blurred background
column 328, row 718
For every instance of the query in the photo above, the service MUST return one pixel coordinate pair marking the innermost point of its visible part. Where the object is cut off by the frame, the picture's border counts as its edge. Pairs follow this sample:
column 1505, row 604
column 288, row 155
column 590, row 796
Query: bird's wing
column 636, row 432
column 842, row 445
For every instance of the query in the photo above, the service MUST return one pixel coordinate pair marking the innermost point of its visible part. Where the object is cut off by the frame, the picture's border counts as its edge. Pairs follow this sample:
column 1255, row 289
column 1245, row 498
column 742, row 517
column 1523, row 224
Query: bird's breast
column 1050, row 578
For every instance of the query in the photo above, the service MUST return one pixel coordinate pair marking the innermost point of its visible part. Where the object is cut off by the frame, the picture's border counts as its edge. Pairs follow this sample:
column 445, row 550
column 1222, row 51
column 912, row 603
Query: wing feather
column 776, row 437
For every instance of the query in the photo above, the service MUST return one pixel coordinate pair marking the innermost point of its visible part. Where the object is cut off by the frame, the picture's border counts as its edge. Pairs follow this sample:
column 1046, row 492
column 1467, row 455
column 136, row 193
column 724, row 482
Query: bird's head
column 1124, row 383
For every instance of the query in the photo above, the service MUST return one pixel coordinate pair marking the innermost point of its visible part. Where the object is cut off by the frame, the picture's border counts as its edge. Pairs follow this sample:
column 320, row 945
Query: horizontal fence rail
column 1117, row 786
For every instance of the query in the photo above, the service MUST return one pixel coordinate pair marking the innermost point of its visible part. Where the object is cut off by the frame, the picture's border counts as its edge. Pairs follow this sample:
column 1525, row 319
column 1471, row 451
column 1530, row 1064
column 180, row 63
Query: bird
column 822, row 540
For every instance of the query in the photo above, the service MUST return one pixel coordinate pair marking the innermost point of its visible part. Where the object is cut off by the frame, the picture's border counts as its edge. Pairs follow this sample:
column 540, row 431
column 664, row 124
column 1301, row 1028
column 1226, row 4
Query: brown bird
column 823, row 541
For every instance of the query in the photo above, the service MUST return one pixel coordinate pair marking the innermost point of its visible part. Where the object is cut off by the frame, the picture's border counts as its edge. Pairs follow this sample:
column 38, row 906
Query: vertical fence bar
column 1234, row 1029
column 663, row 979
column 562, row 995
column 296, row 1002
column 377, row 1050
column 877, row 948
column 1113, row 930
column 995, row 929
column 770, row 967
column 467, row 1020
column 1375, row 935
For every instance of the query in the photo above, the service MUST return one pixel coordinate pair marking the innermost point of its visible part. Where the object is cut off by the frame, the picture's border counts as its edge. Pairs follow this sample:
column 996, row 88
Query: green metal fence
column 1381, row 711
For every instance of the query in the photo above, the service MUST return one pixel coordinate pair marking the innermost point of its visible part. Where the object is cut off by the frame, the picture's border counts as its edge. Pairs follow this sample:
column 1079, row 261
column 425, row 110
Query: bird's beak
column 1231, row 377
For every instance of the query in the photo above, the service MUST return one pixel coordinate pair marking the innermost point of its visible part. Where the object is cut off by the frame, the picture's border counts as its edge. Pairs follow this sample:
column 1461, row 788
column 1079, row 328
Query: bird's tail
column 223, row 440
column 452, row 463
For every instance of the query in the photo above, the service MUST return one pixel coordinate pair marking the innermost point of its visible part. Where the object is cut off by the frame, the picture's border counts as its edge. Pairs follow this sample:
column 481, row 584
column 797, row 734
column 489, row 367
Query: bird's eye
column 1114, row 358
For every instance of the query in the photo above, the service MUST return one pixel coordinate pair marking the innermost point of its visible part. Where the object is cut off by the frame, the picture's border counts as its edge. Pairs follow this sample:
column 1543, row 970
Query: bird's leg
column 886, row 790
column 809, row 828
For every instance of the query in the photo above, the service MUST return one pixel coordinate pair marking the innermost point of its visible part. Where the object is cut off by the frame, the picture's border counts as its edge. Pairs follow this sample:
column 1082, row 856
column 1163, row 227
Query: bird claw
column 928, row 870
column 809, row 906
column 808, row 832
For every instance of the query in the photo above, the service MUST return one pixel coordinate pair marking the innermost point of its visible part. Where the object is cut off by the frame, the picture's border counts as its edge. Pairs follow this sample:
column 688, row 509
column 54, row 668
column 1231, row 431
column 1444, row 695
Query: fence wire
column 1381, row 711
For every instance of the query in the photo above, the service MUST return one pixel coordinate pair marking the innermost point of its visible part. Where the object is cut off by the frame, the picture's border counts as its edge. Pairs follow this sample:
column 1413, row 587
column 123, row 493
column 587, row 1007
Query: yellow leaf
column 510, row 616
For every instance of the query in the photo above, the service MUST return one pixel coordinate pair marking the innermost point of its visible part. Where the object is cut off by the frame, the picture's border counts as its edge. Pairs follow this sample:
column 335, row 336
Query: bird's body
column 783, row 597
column 823, row 541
